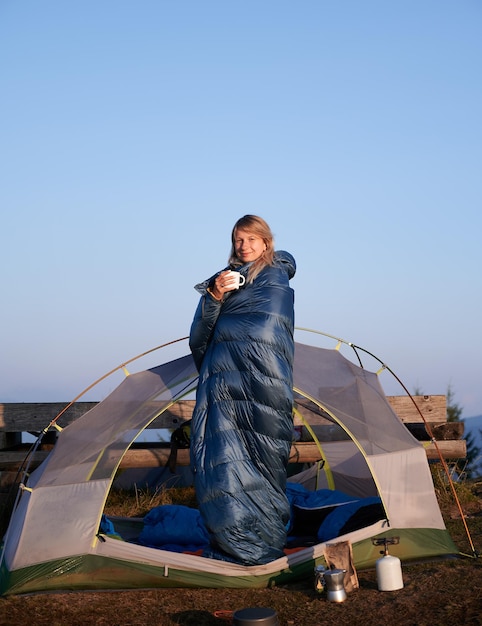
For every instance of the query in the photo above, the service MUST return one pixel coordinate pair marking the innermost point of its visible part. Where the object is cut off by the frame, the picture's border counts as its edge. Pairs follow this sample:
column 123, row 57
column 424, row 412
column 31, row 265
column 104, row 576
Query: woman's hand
column 222, row 284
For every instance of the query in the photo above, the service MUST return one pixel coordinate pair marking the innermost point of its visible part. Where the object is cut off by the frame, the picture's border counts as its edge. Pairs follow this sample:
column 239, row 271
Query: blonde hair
column 257, row 226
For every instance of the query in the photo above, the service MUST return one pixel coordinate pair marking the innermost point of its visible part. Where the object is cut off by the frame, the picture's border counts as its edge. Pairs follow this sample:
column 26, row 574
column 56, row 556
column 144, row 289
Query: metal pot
column 260, row 616
column 335, row 587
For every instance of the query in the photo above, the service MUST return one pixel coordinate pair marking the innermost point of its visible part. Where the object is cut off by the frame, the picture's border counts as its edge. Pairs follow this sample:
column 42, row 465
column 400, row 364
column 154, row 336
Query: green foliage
column 454, row 410
column 443, row 486
column 463, row 467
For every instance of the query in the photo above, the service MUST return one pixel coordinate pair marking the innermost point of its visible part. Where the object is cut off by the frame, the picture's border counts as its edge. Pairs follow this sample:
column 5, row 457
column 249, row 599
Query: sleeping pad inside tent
column 373, row 481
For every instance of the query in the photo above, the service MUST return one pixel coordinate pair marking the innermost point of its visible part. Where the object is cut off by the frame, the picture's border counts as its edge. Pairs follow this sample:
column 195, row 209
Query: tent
column 56, row 539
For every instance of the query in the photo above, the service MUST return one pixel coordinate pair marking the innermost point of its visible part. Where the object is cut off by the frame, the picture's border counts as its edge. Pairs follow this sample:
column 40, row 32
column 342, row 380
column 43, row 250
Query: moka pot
column 335, row 587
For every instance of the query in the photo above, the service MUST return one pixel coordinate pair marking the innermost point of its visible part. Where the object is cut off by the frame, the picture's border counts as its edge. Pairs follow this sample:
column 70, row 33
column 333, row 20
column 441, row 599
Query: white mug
column 235, row 280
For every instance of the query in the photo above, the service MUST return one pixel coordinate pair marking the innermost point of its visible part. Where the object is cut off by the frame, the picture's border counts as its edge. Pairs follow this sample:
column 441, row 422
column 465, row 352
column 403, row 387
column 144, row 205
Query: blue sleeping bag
column 316, row 516
column 242, row 423
column 174, row 527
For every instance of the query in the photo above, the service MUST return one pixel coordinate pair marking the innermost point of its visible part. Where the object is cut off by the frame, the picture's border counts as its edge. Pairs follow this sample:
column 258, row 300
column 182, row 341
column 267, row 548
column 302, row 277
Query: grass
column 138, row 502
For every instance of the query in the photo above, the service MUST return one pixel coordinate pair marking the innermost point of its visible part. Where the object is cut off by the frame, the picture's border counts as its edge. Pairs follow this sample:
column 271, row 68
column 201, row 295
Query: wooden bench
column 18, row 418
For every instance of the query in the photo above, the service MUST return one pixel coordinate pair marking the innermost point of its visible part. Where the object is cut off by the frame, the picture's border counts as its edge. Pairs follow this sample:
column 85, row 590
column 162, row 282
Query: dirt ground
column 447, row 592
column 433, row 594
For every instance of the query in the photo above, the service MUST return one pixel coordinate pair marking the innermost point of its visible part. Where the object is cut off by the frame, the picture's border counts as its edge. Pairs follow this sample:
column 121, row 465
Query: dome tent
column 54, row 540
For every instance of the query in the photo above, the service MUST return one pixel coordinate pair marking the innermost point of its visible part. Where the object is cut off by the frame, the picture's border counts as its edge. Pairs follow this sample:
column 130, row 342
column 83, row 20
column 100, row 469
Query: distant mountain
column 473, row 425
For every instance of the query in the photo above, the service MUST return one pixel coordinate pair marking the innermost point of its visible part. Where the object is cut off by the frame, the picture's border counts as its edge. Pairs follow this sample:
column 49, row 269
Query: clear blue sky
column 134, row 134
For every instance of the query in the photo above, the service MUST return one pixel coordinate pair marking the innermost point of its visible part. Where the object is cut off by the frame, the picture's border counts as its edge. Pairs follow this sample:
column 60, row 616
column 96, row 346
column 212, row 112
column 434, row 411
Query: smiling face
column 248, row 247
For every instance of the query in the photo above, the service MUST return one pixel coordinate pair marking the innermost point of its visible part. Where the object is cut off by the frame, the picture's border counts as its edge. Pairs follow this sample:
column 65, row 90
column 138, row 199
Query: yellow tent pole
column 326, row 465
column 352, row 437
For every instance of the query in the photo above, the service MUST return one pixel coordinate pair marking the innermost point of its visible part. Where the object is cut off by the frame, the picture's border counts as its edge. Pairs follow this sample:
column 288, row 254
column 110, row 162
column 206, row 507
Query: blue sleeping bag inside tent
column 316, row 516
column 174, row 527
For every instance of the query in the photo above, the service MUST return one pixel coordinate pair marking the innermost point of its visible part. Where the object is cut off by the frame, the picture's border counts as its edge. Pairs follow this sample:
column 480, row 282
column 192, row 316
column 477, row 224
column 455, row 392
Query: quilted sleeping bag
column 242, row 423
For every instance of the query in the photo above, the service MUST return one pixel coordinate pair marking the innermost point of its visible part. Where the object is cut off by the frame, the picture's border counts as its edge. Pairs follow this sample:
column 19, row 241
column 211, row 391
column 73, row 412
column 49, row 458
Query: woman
column 242, row 343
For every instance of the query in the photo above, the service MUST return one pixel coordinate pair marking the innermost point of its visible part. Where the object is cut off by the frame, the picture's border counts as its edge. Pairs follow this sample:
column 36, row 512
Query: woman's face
column 248, row 246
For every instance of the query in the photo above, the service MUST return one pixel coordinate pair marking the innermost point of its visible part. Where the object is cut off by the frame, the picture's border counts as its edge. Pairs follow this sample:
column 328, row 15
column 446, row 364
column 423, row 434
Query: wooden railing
column 18, row 418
